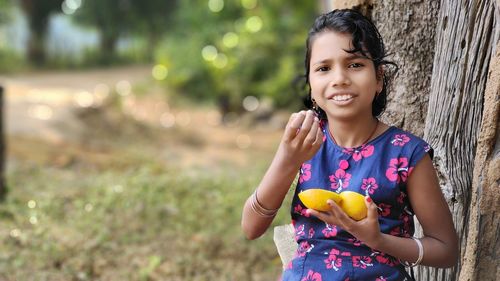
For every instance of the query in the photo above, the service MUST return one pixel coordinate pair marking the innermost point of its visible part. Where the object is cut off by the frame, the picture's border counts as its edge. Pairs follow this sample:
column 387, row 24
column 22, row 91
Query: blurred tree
column 237, row 49
column 152, row 19
column 38, row 13
column 111, row 18
column 115, row 18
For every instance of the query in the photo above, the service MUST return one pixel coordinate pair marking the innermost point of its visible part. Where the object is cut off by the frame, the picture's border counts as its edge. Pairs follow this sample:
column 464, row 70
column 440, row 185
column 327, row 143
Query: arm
column 439, row 241
column 295, row 148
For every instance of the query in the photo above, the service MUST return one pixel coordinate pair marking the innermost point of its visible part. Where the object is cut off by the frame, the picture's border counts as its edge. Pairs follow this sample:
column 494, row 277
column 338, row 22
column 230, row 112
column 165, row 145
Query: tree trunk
column 466, row 35
column 408, row 29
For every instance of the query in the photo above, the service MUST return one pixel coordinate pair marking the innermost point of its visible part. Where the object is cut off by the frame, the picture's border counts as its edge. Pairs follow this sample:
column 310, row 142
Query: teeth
column 342, row 98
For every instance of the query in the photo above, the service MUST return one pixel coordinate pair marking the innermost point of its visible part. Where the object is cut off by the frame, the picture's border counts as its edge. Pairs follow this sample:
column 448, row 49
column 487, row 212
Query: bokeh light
column 243, row 141
column 254, row 24
column 40, row 111
column 15, row 233
column 32, row 204
column 249, row 4
column 250, row 103
column 167, row 120
column 209, row 53
column 215, row 5
column 88, row 207
column 84, row 99
column 230, row 40
column 159, row 72
column 123, row 88
column 220, row 61
column 33, row 220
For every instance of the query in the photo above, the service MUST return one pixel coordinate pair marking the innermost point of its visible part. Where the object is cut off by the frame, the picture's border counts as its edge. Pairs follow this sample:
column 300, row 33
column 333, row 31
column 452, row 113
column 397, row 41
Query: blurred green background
column 135, row 131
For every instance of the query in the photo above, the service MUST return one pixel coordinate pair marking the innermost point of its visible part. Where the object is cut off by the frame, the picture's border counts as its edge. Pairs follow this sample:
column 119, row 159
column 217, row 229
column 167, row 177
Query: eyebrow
column 349, row 57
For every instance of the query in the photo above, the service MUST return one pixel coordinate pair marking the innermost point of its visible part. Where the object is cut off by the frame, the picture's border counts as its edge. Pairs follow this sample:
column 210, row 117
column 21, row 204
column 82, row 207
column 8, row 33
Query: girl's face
column 342, row 84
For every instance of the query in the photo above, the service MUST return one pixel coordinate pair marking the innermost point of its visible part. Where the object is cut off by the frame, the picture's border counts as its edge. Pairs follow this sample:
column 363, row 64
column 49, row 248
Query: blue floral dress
column 380, row 168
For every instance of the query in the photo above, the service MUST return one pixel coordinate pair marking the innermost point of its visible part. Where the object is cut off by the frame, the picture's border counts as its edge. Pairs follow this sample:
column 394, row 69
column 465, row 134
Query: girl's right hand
column 302, row 138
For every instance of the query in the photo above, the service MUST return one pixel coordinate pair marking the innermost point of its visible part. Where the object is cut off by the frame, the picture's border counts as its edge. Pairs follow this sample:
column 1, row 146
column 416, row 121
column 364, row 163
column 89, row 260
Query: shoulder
column 408, row 141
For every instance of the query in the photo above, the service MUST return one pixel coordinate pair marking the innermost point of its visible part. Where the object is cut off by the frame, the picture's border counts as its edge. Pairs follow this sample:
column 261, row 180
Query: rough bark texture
column 466, row 36
column 480, row 261
column 408, row 29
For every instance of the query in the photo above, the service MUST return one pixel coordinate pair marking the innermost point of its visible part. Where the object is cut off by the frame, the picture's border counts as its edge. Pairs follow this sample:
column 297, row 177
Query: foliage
column 127, row 223
column 114, row 19
column 268, row 54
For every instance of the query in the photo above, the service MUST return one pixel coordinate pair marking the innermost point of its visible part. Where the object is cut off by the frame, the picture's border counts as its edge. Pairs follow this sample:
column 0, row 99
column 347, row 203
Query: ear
column 380, row 79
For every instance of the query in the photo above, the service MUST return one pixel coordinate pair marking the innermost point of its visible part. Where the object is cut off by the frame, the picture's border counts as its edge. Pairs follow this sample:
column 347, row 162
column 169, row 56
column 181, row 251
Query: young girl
column 340, row 145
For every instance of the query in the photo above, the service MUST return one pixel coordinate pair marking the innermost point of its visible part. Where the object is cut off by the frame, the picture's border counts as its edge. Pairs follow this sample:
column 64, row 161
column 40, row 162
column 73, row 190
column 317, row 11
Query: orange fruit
column 352, row 203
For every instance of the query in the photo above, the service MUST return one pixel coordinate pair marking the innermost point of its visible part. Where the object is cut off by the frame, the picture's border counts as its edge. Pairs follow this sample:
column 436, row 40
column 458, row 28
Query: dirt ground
column 78, row 109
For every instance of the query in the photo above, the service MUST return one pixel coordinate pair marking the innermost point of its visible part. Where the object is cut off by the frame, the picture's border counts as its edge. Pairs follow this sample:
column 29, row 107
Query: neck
column 353, row 134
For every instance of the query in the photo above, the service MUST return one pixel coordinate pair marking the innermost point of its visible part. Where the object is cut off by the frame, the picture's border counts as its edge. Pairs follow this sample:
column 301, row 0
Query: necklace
column 363, row 144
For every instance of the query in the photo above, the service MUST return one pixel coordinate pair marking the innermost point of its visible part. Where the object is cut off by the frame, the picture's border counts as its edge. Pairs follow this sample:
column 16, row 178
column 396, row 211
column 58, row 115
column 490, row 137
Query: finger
column 372, row 208
column 305, row 128
column 343, row 219
column 313, row 132
column 322, row 216
column 293, row 125
column 319, row 137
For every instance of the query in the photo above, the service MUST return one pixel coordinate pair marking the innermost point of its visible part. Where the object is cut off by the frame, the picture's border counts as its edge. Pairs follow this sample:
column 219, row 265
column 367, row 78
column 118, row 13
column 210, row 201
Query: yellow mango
column 352, row 203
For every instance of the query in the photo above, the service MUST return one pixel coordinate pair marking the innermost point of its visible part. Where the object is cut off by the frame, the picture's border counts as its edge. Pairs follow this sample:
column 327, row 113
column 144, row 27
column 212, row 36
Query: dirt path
column 37, row 103
column 50, row 106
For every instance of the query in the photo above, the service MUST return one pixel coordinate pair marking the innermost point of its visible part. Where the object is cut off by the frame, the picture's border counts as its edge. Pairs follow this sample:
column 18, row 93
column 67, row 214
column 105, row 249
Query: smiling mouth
column 341, row 97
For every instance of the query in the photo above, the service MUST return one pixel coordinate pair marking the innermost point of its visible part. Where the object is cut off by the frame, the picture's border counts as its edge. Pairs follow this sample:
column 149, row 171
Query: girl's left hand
column 366, row 230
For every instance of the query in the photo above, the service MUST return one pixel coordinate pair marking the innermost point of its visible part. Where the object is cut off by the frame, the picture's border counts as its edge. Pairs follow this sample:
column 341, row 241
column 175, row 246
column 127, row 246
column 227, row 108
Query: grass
column 117, row 211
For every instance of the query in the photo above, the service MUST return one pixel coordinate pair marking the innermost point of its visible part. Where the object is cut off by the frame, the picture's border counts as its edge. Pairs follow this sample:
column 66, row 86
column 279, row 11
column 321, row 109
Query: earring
column 314, row 105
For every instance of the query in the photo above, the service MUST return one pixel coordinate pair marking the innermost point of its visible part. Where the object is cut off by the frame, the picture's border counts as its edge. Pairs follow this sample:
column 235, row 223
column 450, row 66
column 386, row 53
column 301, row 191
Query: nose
column 339, row 77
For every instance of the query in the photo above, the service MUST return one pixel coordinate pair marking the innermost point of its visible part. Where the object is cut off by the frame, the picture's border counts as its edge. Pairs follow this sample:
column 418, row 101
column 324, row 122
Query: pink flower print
column 330, row 230
column 289, row 265
column 395, row 231
column 398, row 170
column 298, row 209
column 385, row 259
column 311, row 232
column 299, row 231
column 361, row 152
column 304, row 248
column 312, row 276
column 361, row 261
column 343, row 164
column 333, row 261
column 340, row 180
column 369, row 185
column 384, row 209
column 355, row 242
column 400, row 140
column 401, row 197
column 305, row 173
column 381, row 278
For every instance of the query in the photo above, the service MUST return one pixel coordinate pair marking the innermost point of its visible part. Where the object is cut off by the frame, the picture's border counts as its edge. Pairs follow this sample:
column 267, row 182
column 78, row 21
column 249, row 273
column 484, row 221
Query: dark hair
column 366, row 40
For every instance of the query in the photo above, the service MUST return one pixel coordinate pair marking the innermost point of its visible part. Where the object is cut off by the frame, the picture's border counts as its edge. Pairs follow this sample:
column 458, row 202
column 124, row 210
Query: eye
column 355, row 65
column 322, row 69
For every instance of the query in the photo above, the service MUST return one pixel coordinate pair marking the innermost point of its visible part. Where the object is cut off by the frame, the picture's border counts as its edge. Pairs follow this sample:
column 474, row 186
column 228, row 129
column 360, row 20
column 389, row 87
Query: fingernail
column 368, row 199
column 316, row 119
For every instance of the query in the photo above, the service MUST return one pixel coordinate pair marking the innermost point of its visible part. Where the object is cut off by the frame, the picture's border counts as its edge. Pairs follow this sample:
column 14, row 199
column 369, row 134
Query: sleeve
column 419, row 150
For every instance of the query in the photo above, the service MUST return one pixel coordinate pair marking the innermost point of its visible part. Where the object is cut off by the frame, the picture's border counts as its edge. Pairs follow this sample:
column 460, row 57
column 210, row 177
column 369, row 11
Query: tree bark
column 466, row 35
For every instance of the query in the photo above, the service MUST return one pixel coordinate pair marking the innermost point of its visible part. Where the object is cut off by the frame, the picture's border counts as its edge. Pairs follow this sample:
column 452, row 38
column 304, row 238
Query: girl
column 341, row 145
